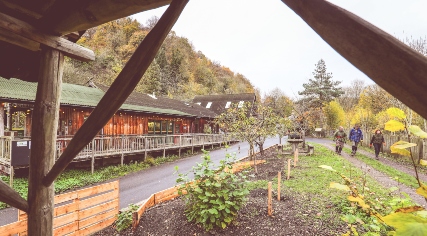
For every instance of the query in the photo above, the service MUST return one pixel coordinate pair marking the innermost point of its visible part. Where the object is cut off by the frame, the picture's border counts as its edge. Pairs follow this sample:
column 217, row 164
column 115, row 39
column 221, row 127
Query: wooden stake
column 270, row 210
column 295, row 157
column 289, row 168
column 279, row 180
column 296, row 154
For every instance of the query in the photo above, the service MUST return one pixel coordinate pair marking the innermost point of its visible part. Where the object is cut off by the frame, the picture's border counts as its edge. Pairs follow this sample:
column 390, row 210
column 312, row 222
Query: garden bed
column 297, row 213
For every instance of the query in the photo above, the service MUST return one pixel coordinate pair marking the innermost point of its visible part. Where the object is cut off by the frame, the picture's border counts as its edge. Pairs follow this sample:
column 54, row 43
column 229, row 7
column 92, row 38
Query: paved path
column 385, row 180
column 140, row 185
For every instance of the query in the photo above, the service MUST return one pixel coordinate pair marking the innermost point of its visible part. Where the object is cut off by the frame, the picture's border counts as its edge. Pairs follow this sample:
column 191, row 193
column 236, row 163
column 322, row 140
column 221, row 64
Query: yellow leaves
column 394, row 125
column 407, row 224
column 422, row 190
column 359, row 200
column 400, row 148
column 394, row 112
column 417, row 131
column 423, row 162
column 409, row 209
column 339, row 186
column 327, row 168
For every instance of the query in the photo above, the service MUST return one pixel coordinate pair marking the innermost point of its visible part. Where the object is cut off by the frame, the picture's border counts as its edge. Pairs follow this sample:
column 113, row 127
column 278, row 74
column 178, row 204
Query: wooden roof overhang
column 28, row 25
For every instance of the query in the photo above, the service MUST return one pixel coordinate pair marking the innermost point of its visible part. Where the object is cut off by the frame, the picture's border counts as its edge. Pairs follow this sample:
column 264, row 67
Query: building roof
column 219, row 103
column 73, row 95
column 141, row 99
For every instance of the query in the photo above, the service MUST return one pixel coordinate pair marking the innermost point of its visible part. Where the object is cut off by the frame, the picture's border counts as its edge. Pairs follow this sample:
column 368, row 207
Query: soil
column 294, row 214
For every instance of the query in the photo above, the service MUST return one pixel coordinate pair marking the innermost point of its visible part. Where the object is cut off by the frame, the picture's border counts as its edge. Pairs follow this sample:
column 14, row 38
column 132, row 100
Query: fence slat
column 98, row 199
column 98, row 189
column 65, row 219
column 14, row 228
column 100, row 217
column 65, row 209
column 94, row 210
column 97, row 227
column 66, row 229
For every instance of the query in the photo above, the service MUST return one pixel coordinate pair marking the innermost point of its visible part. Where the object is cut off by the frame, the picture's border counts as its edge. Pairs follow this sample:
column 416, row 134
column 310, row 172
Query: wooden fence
column 419, row 151
column 81, row 212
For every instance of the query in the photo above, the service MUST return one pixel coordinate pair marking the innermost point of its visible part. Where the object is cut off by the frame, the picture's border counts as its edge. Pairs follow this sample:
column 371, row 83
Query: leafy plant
column 215, row 196
column 124, row 218
column 150, row 161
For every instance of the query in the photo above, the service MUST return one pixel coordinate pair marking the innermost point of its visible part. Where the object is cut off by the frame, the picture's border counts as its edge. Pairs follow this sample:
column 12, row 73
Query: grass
column 402, row 177
column 311, row 184
column 76, row 178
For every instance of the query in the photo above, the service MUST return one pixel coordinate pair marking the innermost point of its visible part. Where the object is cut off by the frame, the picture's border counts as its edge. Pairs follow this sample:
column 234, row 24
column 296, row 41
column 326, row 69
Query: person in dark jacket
column 355, row 136
column 340, row 137
column 377, row 140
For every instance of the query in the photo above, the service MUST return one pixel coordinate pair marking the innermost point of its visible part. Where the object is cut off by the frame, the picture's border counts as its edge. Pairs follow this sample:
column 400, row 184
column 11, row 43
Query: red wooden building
column 141, row 114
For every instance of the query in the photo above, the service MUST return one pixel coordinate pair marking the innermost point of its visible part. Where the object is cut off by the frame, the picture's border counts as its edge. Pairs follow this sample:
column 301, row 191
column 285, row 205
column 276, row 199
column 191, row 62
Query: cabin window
column 240, row 104
column 209, row 105
column 150, row 127
column 227, row 105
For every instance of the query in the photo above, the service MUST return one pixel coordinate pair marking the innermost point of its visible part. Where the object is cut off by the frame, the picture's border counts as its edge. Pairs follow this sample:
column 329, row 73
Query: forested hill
column 178, row 70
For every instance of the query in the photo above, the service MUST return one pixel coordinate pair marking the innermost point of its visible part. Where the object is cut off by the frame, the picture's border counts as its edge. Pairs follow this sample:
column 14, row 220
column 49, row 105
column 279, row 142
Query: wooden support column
column 43, row 138
column 2, row 116
column 145, row 148
column 8, row 117
column 394, row 66
column 121, row 88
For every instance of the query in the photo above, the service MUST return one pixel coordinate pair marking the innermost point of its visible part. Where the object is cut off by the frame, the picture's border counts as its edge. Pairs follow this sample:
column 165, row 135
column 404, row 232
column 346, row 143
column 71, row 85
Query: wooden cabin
column 141, row 114
column 221, row 102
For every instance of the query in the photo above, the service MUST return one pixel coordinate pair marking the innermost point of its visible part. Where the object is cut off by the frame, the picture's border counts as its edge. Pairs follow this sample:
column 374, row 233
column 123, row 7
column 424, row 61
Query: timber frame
column 36, row 35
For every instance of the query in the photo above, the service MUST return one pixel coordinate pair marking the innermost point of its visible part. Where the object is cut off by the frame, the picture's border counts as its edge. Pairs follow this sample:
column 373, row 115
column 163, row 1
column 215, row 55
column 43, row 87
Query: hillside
column 178, row 70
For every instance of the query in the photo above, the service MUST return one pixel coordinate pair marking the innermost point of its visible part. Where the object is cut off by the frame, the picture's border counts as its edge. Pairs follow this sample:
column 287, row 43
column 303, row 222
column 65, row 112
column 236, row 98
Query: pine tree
column 322, row 89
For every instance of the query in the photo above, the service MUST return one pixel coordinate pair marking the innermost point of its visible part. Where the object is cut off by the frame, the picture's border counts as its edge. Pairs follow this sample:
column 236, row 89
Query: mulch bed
column 294, row 214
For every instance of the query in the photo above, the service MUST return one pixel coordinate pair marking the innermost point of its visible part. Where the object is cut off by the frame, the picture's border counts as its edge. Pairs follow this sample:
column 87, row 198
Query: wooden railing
column 80, row 212
column 131, row 144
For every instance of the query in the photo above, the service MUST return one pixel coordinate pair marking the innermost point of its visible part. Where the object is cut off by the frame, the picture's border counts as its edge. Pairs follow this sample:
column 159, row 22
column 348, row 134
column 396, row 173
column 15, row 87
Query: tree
column 250, row 124
column 322, row 89
column 351, row 95
column 335, row 115
column 279, row 102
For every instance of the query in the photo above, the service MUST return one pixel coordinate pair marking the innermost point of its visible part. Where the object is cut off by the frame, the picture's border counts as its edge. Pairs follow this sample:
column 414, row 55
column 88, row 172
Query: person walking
column 340, row 137
column 355, row 136
column 376, row 140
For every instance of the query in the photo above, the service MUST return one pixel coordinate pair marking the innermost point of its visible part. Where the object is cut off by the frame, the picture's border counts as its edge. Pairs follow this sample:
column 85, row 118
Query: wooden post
column 1, row 119
column 122, row 154
column 179, row 149
column 43, row 139
column 289, row 168
column 92, row 164
column 192, row 144
column 11, row 174
column 295, row 157
column 145, row 148
column 8, row 117
column 279, row 180
column 164, row 147
column 270, row 207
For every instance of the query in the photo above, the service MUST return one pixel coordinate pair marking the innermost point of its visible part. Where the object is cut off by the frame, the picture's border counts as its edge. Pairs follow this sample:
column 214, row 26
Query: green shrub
column 215, row 196
column 124, row 219
column 150, row 161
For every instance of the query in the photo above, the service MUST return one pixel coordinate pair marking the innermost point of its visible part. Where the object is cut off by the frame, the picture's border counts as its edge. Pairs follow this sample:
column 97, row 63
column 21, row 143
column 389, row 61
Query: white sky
column 273, row 47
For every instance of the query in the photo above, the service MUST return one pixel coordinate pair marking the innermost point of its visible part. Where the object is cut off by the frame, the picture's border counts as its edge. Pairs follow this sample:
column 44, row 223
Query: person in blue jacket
column 355, row 137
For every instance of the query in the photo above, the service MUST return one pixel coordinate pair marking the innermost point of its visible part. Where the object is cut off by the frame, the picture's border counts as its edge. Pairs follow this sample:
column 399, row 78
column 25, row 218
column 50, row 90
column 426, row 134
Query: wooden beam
column 23, row 29
column 64, row 18
column 394, row 66
column 18, row 40
column 120, row 90
column 11, row 197
column 44, row 126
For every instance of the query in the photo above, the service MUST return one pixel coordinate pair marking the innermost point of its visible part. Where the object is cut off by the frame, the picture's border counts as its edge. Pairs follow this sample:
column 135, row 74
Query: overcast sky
column 273, row 47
